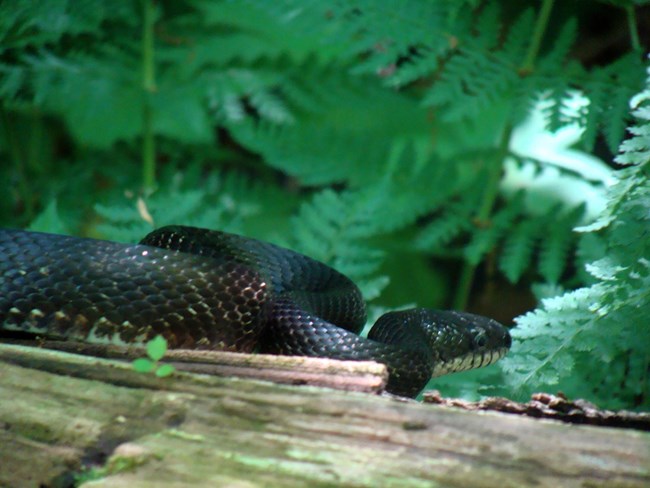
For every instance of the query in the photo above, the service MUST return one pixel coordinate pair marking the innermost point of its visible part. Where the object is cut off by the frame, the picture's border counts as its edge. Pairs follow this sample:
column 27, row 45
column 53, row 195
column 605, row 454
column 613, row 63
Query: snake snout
column 492, row 341
column 507, row 340
column 470, row 341
column 489, row 342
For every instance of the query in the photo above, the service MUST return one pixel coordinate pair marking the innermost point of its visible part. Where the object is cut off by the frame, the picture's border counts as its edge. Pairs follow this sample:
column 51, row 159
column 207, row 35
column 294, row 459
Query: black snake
column 214, row 290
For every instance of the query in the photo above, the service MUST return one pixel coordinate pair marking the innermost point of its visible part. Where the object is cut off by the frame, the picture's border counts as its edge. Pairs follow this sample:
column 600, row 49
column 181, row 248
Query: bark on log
column 60, row 412
column 366, row 376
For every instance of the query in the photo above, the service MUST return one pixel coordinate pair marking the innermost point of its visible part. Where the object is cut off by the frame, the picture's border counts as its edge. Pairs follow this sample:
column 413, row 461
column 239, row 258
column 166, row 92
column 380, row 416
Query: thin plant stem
column 149, row 87
column 632, row 27
column 487, row 204
column 538, row 35
column 496, row 163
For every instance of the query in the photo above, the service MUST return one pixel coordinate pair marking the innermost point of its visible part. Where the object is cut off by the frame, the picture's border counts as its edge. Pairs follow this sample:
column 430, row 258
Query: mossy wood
column 60, row 412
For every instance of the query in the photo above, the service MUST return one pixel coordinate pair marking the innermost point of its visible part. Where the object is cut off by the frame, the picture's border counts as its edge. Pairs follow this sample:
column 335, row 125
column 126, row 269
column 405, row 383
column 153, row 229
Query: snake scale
column 213, row 290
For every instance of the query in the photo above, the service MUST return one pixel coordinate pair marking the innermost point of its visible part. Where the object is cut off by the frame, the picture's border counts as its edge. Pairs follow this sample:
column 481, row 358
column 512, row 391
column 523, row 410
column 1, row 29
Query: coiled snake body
column 213, row 290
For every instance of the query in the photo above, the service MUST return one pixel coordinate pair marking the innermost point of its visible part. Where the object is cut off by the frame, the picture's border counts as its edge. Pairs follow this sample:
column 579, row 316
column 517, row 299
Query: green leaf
column 48, row 220
column 165, row 370
column 556, row 245
column 157, row 347
column 518, row 249
column 143, row 365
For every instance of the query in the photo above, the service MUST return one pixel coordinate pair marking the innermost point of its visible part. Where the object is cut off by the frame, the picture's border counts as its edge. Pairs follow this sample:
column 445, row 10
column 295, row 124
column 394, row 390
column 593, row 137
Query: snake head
column 460, row 341
column 452, row 341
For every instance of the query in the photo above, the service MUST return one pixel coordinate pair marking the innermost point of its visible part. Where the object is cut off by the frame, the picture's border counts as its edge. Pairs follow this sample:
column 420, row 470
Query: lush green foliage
column 601, row 327
column 386, row 138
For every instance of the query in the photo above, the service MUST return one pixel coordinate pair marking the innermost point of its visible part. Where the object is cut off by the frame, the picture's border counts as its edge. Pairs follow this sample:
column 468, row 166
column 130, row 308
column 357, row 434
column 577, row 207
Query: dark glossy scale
column 66, row 287
column 208, row 289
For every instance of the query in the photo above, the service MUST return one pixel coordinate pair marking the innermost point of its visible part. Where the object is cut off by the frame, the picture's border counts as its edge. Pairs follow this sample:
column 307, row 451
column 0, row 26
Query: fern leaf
column 518, row 37
column 349, row 142
column 556, row 245
column 333, row 227
column 456, row 219
column 609, row 90
column 607, row 319
column 40, row 23
column 557, row 86
column 49, row 220
column 485, row 239
column 483, row 71
column 518, row 249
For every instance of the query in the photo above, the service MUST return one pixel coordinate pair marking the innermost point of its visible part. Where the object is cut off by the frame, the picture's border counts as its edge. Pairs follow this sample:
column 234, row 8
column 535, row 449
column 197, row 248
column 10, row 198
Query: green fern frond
column 130, row 222
column 416, row 67
column 636, row 150
column 484, row 239
column 606, row 320
column 483, row 70
column 609, row 89
column 334, row 228
column 38, row 23
column 557, row 86
column 454, row 220
column 344, row 228
column 348, row 142
column 518, row 37
column 230, row 202
column 49, row 220
column 518, row 249
column 251, row 31
column 556, row 244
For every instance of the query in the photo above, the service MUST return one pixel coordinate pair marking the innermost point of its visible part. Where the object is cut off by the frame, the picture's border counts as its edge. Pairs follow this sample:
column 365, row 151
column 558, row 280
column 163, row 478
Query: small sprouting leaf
column 156, row 348
column 165, row 370
column 143, row 365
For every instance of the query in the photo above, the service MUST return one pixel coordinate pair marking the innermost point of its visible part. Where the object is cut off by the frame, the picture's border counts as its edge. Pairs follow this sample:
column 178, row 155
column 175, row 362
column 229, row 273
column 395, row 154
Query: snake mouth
column 471, row 360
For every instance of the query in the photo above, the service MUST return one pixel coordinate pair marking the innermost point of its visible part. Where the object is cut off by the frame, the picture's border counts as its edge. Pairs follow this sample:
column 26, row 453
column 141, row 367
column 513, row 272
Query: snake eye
column 481, row 340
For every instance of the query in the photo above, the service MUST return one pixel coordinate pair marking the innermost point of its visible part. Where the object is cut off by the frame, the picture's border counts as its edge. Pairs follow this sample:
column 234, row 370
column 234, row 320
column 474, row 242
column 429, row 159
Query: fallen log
column 65, row 418
column 365, row 376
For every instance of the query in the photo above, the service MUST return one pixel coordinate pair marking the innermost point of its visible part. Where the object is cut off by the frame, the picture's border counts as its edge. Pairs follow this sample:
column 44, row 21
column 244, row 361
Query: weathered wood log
column 61, row 412
column 366, row 376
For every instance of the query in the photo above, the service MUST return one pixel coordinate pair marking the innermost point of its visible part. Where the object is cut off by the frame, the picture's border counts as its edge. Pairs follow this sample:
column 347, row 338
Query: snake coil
column 214, row 290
